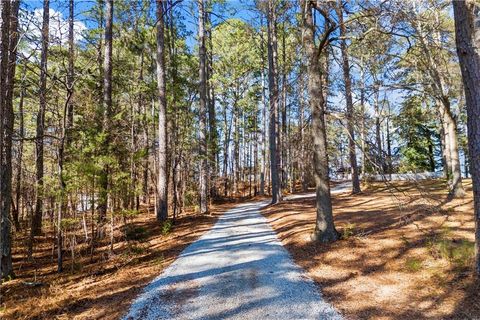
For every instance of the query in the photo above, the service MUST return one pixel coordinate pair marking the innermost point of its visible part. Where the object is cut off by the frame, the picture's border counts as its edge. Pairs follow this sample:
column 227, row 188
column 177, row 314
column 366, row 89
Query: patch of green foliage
column 167, row 227
column 413, row 265
column 348, row 230
column 419, row 140
column 459, row 252
column 129, row 213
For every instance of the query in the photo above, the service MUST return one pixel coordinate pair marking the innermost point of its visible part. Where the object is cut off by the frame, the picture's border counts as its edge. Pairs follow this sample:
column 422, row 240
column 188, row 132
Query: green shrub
column 348, row 230
column 462, row 254
column 458, row 252
column 167, row 227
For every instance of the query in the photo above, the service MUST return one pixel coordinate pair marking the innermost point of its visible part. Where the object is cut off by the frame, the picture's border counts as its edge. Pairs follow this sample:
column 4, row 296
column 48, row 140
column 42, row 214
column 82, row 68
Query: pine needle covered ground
column 406, row 252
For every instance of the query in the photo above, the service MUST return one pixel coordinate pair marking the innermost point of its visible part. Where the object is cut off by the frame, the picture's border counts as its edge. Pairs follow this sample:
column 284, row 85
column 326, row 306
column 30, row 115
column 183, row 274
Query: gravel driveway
column 237, row 270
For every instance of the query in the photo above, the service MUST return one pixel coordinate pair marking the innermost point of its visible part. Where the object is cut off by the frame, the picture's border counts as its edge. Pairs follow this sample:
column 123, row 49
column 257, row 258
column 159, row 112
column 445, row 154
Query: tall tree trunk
column 255, row 152
column 389, row 146
column 324, row 227
column 378, row 138
column 431, row 154
column 301, row 124
column 37, row 216
column 62, row 182
column 19, row 173
column 9, row 14
column 65, row 139
column 264, row 129
column 450, row 126
column 162, row 192
column 363, row 127
column 236, row 148
column 226, row 143
column 12, row 63
column 146, row 160
column 445, row 146
column 212, row 117
column 107, row 113
column 273, row 99
column 467, row 27
column 348, row 97
column 71, row 70
column 203, row 172
column 452, row 154
column 283, row 135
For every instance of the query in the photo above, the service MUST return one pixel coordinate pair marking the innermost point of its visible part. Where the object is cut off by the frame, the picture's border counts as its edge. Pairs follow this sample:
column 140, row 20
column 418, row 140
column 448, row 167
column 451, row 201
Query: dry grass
column 406, row 251
column 99, row 286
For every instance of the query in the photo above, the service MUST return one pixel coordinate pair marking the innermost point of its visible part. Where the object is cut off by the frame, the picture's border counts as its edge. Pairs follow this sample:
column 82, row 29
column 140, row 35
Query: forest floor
column 101, row 286
column 406, row 252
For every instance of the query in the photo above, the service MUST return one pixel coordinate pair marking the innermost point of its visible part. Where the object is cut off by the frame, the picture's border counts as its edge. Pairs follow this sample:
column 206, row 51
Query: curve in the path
column 342, row 187
column 237, row 270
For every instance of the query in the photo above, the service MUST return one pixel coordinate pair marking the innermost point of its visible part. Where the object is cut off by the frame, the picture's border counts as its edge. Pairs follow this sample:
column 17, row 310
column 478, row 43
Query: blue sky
column 187, row 8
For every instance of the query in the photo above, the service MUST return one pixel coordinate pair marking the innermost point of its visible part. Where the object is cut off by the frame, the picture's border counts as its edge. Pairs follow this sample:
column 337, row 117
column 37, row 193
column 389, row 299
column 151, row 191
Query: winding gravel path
column 237, row 270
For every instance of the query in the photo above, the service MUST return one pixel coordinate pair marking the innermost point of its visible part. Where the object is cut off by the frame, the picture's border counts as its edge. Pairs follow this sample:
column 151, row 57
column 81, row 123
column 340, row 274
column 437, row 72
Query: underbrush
column 459, row 253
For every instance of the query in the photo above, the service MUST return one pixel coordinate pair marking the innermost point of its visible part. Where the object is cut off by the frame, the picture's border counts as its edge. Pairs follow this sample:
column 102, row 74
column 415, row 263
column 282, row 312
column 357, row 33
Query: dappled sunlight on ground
column 406, row 251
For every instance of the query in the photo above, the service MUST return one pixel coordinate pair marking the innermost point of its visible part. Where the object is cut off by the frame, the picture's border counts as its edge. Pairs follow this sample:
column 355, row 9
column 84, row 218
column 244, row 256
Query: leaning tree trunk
column 324, row 227
column 348, row 97
column 203, row 172
column 467, row 27
column 444, row 108
column 162, row 192
column 273, row 98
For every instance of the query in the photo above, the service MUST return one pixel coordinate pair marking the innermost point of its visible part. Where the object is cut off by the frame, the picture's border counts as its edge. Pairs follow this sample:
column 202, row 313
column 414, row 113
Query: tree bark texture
column 162, row 190
column 324, row 227
column 467, row 27
column 273, row 100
